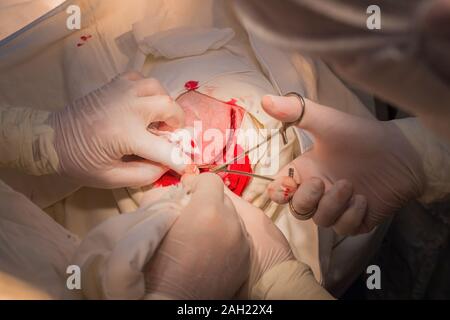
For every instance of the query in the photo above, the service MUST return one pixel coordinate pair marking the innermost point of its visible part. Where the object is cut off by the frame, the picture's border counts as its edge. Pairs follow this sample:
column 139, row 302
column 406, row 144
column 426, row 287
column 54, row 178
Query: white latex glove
column 102, row 139
column 275, row 274
column 197, row 253
column 269, row 247
column 205, row 255
column 358, row 172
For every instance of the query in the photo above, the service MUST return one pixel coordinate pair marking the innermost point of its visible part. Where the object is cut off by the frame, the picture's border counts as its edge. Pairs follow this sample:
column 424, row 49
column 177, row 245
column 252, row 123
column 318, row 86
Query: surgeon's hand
column 358, row 173
column 102, row 139
column 269, row 247
column 206, row 254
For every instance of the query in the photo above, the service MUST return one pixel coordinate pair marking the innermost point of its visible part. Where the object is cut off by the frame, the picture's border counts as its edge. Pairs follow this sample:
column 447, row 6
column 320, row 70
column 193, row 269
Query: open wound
column 208, row 118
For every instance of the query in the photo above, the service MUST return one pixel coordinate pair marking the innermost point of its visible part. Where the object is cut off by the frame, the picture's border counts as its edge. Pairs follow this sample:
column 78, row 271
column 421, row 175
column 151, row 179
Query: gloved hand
column 269, row 247
column 358, row 172
column 275, row 273
column 102, row 140
column 205, row 255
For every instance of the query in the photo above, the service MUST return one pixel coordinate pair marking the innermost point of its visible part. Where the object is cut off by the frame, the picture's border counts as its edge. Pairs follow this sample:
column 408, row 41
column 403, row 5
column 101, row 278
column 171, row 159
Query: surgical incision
column 212, row 126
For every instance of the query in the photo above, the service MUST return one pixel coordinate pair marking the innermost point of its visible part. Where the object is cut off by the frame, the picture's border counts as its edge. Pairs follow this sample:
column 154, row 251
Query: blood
column 236, row 183
column 233, row 127
column 216, row 118
column 84, row 39
column 191, row 85
column 233, row 123
column 171, row 178
column 232, row 102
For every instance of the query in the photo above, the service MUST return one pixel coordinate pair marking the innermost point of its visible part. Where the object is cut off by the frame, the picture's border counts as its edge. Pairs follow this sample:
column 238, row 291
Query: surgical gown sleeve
column 289, row 280
column 435, row 155
column 35, row 251
column 114, row 254
column 26, row 141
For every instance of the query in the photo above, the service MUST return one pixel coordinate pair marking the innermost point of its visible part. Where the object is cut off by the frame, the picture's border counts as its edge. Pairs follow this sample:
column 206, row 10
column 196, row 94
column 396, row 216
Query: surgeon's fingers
column 134, row 174
column 308, row 195
column 213, row 209
column 160, row 108
column 282, row 189
column 350, row 221
column 333, row 203
column 316, row 118
column 157, row 149
column 207, row 187
column 132, row 76
column 144, row 86
column 305, row 193
column 149, row 87
column 285, row 109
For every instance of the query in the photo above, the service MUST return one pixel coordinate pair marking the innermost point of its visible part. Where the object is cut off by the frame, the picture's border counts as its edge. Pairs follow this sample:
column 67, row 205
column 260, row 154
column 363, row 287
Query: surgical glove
column 358, row 172
column 102, row 140
column 274, row 273
column 205, row 255
column 269, row 247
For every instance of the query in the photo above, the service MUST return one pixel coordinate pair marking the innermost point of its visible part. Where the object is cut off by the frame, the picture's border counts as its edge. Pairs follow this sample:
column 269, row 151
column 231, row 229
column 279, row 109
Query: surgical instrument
column 282, row 131
column 248, row 174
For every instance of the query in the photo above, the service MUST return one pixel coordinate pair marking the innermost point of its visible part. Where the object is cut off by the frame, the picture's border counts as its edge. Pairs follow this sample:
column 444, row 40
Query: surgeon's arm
column 26, row 141
column 100, row 140
column 435, row 157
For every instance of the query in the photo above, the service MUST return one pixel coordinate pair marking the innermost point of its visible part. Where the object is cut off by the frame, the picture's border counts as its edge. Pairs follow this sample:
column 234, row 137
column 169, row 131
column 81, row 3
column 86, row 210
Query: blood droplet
column 86, row 38
column 191, row 85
